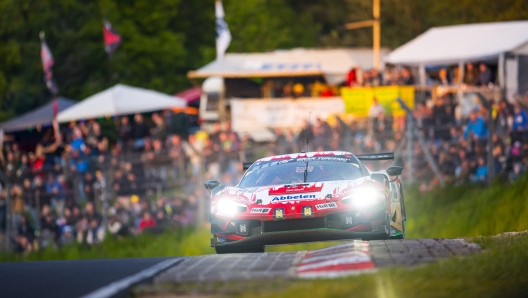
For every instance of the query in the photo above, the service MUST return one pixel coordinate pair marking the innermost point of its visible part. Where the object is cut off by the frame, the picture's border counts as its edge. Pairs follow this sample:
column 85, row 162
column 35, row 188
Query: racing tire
column 387, row 227
column 238, row 249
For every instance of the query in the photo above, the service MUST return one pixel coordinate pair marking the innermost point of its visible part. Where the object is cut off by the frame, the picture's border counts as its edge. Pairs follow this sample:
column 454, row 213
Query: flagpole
column 54, row 92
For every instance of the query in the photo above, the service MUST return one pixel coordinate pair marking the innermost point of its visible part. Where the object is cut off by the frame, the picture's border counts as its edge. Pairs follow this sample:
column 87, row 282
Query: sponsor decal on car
column 260, row 210
column 326, row 206
column 292, row 198
column 300, row 188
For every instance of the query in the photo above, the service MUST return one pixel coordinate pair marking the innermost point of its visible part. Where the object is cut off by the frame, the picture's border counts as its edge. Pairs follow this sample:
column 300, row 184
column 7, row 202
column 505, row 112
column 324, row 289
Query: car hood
column 295, row 193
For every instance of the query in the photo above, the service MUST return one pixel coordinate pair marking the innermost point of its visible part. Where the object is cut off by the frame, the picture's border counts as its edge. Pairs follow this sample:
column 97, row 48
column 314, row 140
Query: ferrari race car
column 315, row 196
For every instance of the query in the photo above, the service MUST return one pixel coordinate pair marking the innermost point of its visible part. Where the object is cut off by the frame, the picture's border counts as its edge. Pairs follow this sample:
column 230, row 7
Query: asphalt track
column 66, row 278
column 113, row 278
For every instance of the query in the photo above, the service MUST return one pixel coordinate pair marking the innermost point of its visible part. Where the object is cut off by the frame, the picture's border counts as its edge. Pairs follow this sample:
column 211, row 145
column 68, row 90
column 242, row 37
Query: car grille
column 294, row 224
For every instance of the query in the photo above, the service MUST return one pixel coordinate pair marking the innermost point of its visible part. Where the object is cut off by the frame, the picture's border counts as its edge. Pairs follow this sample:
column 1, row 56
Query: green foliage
column 468, row 211
column 172, row 243
column 162, row 40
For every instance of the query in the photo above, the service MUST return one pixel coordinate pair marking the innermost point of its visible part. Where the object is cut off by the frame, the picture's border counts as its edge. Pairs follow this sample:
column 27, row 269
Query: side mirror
column 394, row 170
column 211, row 184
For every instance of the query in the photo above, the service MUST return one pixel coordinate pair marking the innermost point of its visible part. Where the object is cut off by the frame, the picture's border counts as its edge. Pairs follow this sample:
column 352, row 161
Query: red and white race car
column 303, row 197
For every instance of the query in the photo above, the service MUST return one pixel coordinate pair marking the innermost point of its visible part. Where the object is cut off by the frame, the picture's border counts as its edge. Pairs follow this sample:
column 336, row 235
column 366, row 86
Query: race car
column 303, row 197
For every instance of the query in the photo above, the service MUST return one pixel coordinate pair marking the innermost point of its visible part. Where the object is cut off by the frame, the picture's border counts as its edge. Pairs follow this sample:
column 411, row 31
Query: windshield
column 293, row 172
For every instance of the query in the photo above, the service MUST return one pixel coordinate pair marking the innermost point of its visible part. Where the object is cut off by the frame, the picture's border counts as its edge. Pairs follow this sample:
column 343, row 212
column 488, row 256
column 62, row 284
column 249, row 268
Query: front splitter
column 289, row 237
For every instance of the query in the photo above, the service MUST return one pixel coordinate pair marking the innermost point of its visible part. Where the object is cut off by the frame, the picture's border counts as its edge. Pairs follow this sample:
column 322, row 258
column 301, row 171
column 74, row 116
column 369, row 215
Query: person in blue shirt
column 520, row 124
column 481, row 175
column 476, row 126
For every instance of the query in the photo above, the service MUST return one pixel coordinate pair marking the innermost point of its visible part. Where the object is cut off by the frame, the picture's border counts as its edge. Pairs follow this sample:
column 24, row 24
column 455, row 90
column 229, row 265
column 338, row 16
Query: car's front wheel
column 234, row 249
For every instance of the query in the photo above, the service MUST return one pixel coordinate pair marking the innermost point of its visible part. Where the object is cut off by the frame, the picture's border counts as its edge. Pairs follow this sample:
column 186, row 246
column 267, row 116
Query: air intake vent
column 294, row 224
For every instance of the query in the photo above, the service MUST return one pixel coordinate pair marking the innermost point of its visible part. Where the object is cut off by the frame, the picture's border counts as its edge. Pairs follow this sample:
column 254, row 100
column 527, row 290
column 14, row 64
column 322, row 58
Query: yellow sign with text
column 358, row 100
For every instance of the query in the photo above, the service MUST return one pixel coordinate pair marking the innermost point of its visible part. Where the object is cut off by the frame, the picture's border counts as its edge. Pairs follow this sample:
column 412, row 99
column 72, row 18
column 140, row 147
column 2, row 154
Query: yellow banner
column 358, row 100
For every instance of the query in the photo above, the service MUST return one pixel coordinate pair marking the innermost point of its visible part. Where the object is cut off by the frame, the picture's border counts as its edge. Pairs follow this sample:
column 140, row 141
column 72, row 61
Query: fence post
column 201, row 203
column 347, row 139
column 410, row 147
column 421, row 140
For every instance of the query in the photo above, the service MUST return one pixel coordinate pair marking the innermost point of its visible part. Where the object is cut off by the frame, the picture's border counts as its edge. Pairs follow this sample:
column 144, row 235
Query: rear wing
column 376, row 156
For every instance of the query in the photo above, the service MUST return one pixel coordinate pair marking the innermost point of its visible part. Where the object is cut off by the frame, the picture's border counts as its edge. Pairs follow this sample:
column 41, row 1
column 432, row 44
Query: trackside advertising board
column 247, row 114
column 359, row 99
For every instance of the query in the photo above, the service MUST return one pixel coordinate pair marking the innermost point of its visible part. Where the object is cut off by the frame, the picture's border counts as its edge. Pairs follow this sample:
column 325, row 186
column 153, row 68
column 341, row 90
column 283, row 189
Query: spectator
column 375, row 109
column 159, row 131
column 484, row 77
column 25, row 229
column 481, row 173
column 443, row 79
column 471, row 75
column 406, row 78
column 124, row 131
column 146, row 222
column 140, row 131
column 17, row 205
column 67, row 236
column 88, row 183
column 90, row 212
column 476, row 126
column 520, row 124
column 55, row 190
column 95, row 233
column 352, row 77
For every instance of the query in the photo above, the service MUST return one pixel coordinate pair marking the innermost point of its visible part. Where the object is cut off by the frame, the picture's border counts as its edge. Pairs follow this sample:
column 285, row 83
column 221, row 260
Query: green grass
column 500, row 271
column 466, row 211
column 171, row 243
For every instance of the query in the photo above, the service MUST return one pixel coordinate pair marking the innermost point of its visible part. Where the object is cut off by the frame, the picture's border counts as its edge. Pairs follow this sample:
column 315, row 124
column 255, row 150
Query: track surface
column 66, row 278
column 78, row 278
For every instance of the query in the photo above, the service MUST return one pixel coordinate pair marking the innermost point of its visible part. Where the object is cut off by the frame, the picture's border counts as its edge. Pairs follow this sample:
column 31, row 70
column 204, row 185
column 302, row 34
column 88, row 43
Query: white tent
column 334, row 64
column 120, row 100
column 503, row 43
column 461, row 43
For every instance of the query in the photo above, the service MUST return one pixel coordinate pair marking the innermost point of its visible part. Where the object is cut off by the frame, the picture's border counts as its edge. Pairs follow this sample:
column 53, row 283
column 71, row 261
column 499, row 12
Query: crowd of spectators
column 78, row 186
column 473, row 75
column 459, row 145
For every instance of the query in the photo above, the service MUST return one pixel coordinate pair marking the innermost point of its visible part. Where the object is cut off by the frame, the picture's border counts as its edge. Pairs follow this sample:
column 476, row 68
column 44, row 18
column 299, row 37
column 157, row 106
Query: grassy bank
column 171, row 243
column 466, row 211
column 499, row 271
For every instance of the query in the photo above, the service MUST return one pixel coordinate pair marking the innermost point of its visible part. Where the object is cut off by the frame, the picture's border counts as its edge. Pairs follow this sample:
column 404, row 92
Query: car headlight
column 229, row 208
column 364, row 197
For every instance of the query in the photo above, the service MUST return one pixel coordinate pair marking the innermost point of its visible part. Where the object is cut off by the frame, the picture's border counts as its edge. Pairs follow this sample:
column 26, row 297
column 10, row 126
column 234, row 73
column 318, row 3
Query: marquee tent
column 502, row 43
column 334, row 64
column 42, row 115
column 462, row 43
column 120, row 100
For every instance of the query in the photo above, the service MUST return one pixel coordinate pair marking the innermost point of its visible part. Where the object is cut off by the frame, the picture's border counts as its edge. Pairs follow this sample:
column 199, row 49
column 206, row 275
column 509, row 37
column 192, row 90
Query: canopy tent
column 461, row 43
column 42, row 115
column 334, row 64
column 120, row 100
column 191, row 95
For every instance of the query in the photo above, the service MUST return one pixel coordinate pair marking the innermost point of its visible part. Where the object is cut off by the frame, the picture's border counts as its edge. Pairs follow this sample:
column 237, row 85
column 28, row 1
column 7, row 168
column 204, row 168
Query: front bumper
column 337, row 226
column 289, row 237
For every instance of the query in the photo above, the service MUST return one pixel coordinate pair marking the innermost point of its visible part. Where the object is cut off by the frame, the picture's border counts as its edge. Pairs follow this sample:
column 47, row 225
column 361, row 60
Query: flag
column 112, row 39
column 47, row 64
column 223, row 36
